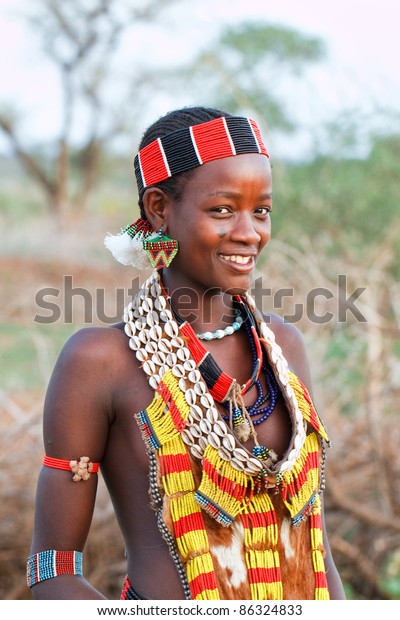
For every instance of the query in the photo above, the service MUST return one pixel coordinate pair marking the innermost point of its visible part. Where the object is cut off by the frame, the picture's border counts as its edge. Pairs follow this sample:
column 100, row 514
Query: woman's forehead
column 232, row 172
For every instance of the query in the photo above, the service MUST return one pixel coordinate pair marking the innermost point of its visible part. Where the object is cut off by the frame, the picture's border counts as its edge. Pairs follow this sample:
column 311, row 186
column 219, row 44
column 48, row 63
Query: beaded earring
column 160, row 250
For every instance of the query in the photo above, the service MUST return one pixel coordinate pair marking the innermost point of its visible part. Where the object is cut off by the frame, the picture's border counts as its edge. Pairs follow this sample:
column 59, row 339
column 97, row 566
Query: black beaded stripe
column 179, row 151
column 242, row 136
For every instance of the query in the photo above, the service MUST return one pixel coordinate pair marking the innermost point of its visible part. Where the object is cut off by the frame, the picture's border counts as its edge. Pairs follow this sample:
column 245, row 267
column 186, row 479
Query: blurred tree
column 347, row 205
column 80, row 38
column 247, row 70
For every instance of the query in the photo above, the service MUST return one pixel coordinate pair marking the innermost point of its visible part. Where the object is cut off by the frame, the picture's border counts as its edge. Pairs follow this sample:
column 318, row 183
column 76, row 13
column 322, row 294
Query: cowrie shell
column 140, row 323
column 189, row 365
column 150, row 320
column 160, row 303
column 177, row 342
column 142, row 355
column 151, row 347
column 182, row 384
column 164, row 345
column 171, row 359
column 207, row 400
column 194, row 376
column 178, row 371
column 253, row 466
column 240, row 454
column 135, row 343
column 200, row 388
column 147, row 304
column 130, row 329
column 283, row 378
column 144, row 336
column 154, row 381
column 196, row 451
column 155, row 332
column 195, row 430
column 228, row 442
column 224, row 454
column 183, row 354
column 205, row 426
column 158, row 357
column 214, row 440
column 187, row 437
column 196, row 412
column 212, row 414
column 165, row 315
column 202, row 443
column 236, row 464
column 220, row 428
column 156, row 291
column 149, row 367
column 190, row 396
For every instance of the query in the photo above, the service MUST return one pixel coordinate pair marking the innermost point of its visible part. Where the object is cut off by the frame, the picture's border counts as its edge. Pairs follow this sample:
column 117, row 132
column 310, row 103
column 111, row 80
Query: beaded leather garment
column 237, row 527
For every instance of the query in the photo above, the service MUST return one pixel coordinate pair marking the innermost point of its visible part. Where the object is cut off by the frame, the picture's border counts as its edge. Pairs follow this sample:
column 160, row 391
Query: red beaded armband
column 81, row 469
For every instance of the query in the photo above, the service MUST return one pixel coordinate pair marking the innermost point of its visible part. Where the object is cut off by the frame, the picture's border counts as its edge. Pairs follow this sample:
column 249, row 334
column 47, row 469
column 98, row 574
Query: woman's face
column 222, row 223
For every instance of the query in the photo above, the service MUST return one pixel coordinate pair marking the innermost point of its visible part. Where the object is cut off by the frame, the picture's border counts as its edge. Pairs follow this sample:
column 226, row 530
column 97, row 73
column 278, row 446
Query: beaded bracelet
column 48, row 564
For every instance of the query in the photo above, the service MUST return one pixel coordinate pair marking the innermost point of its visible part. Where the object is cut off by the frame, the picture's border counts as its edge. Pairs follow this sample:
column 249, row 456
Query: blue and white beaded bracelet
column 48, row 564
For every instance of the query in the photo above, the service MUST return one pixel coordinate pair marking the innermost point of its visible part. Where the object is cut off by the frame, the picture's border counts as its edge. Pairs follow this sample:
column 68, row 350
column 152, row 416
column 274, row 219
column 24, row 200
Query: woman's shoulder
column 292, row 342
column 100, row 352
column 94, row 342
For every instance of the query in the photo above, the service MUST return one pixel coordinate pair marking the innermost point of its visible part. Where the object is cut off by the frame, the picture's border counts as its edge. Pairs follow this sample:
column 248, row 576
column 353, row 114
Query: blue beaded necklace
column 259, row 407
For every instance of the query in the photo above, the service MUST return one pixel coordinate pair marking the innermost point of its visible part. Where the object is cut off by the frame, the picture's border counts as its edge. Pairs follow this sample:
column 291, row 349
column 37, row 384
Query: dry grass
column 355, row 369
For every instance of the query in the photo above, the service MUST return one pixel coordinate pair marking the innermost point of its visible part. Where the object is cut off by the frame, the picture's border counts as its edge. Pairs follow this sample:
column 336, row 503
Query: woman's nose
column 245, row 229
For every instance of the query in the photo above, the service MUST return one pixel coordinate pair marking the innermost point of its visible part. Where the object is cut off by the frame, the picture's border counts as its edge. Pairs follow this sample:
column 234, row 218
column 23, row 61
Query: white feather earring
column 127, row 246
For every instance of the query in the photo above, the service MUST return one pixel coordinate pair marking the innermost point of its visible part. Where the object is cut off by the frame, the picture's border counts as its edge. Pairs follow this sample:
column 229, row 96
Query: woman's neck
column 204, row 309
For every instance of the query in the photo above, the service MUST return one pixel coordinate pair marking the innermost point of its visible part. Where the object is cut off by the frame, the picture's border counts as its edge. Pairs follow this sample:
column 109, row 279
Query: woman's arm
column 75, row 424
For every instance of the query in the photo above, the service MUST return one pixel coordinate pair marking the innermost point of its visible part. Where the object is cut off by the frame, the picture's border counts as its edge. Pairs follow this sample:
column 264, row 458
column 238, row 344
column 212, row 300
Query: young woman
column 195, row 397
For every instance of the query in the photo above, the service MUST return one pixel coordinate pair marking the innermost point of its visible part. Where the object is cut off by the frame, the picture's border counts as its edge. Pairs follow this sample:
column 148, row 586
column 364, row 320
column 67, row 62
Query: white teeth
column 242, row 260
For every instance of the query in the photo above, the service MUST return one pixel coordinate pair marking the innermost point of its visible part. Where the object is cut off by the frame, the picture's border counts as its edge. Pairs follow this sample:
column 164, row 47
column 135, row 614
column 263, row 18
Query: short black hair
column 176, row 119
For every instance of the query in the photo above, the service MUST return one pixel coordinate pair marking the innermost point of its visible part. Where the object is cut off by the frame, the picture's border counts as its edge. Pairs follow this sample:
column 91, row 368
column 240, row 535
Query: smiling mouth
column 238, row 259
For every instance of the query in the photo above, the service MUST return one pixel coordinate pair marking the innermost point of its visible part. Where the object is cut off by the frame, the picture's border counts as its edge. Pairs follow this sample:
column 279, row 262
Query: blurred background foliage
column 335, row 249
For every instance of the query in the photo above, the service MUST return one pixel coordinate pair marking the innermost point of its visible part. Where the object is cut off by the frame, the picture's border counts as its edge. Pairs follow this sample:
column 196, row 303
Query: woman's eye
column 263, row 210
column 221, row 210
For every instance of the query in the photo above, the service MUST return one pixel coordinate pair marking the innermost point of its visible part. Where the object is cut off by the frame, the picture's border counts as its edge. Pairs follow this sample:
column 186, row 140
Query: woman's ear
column 156, row 204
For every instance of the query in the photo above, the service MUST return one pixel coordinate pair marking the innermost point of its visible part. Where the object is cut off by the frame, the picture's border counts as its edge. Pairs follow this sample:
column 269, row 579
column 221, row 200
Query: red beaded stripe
column 320, row 580
column 188, row 523
column 259, row 140
column 265, row 575
column 294, row 486
column 176, row 415
column 174, row 463
column 234, row 489
column 314, row 420
column 212, row 140
column 316, row 521
column 49, row 461
column 152, row 163
column 204, row 581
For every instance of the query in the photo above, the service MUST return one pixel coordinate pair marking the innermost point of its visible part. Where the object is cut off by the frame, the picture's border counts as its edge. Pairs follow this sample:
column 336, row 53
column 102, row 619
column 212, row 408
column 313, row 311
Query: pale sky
column 361, row 69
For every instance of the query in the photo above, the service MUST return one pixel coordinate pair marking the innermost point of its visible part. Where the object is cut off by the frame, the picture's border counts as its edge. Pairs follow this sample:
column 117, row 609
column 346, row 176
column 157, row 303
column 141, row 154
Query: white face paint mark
column 285, row 538
column 231, row 557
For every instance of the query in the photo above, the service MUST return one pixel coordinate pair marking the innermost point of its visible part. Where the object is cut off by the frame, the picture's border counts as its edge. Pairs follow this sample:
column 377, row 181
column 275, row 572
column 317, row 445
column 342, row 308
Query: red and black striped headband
column 193, row 146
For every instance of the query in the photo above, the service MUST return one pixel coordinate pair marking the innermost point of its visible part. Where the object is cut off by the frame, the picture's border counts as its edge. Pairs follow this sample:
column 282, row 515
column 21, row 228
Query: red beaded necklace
column 219, row 382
